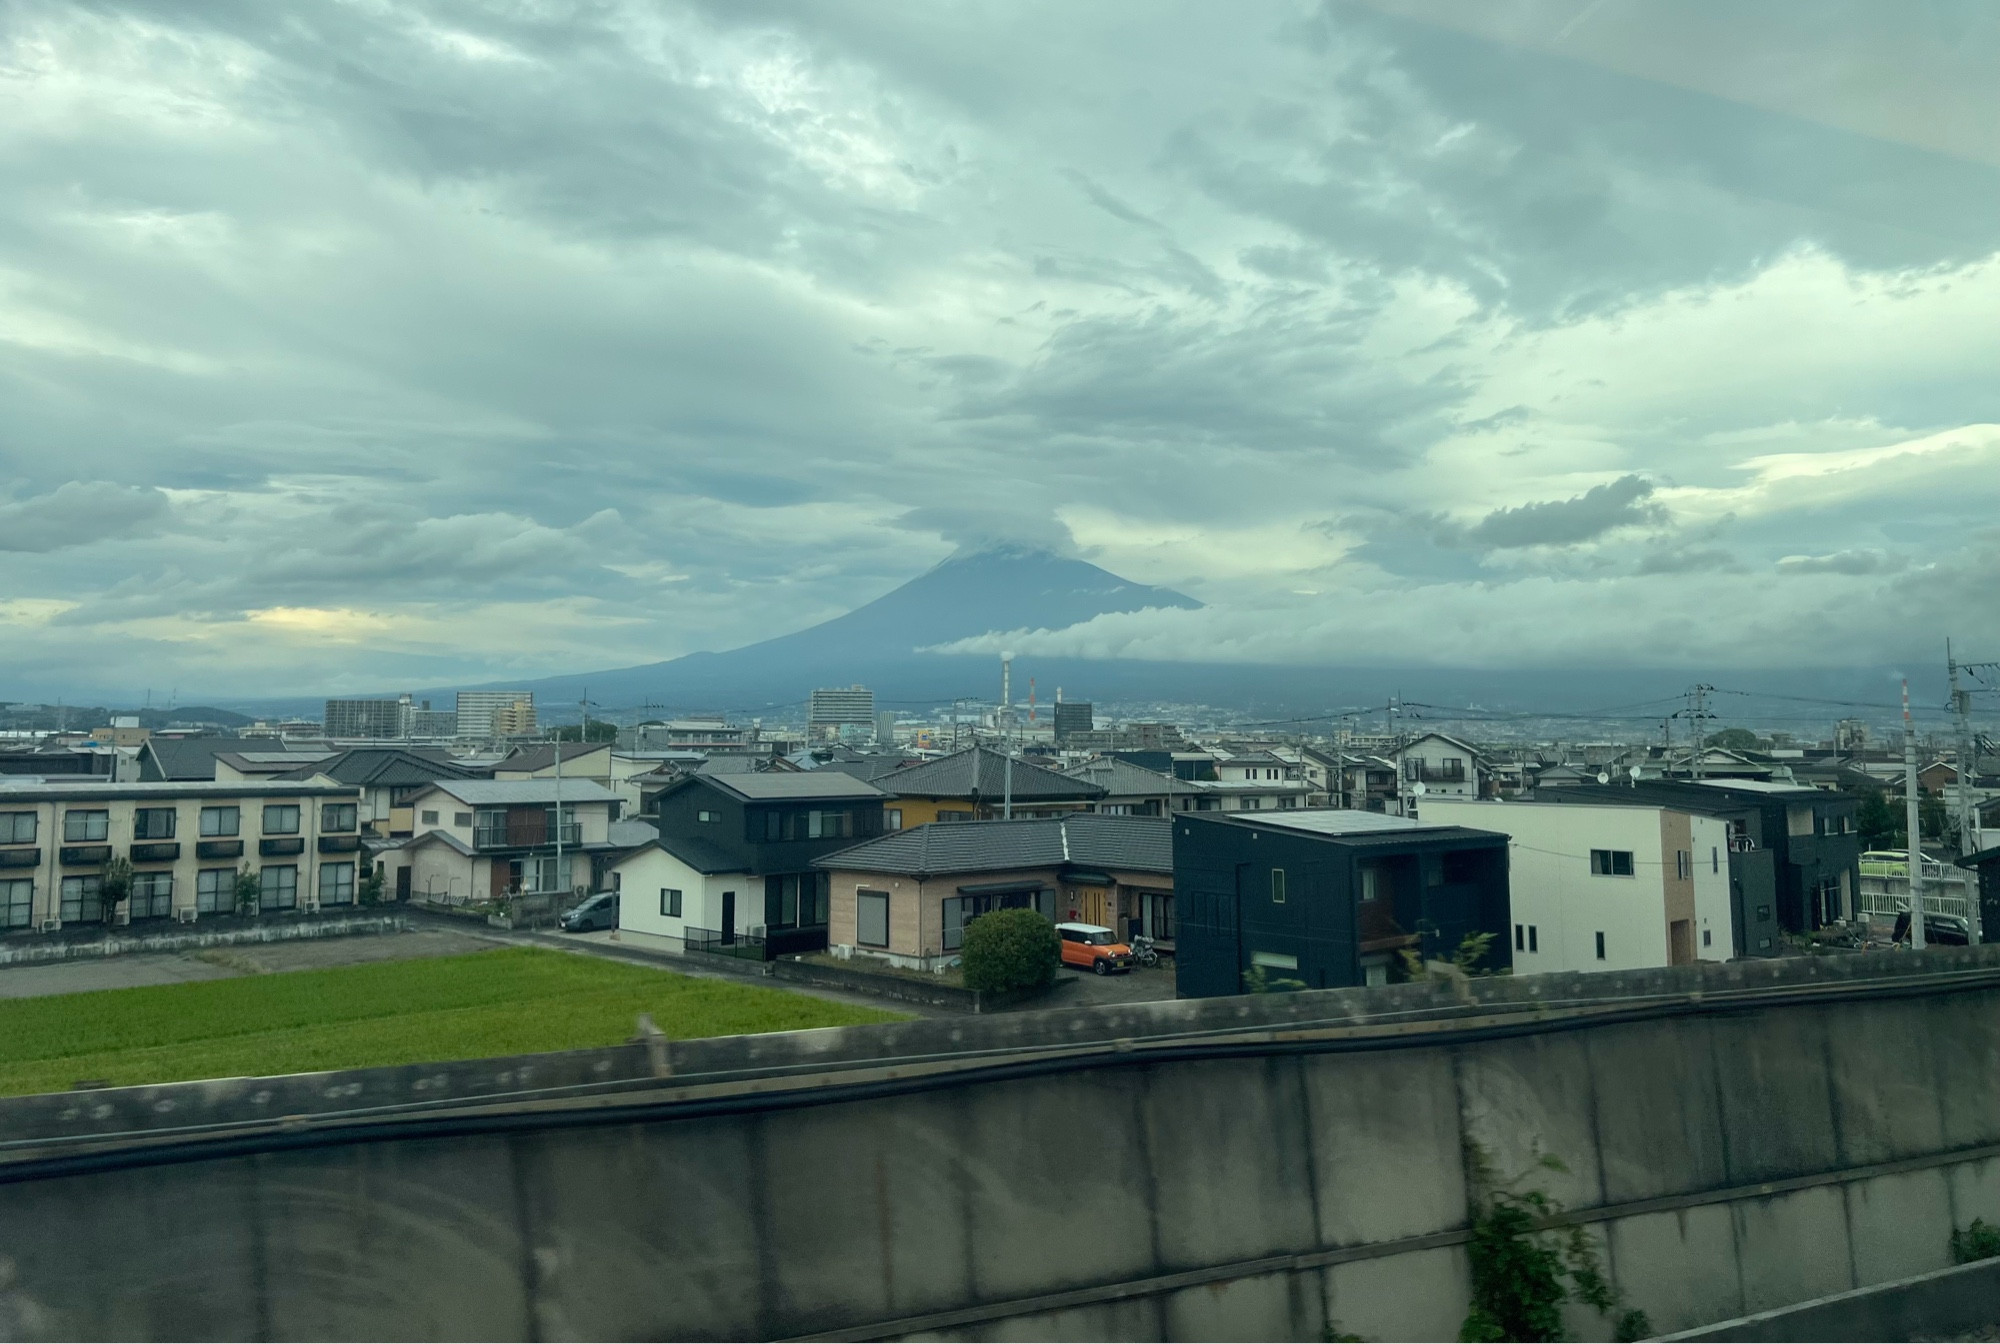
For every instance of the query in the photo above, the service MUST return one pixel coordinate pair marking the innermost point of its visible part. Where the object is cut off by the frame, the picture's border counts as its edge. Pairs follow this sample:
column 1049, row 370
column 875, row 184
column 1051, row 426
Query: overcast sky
column 349, row 346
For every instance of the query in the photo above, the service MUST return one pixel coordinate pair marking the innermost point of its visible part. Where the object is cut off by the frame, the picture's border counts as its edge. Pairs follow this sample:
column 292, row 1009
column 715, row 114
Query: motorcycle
column 1143, row 951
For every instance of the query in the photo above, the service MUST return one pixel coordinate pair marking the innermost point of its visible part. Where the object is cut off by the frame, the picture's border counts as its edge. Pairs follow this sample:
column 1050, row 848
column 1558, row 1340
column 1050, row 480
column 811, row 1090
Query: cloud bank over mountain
column 354, row 346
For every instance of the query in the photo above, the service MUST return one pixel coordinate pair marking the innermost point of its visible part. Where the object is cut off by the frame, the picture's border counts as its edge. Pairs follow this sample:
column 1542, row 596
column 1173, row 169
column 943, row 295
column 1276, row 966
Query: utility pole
column 1700, row 694
column 1910, row 812
column 1007, row 736
column 560, row 884
column 1968, row 766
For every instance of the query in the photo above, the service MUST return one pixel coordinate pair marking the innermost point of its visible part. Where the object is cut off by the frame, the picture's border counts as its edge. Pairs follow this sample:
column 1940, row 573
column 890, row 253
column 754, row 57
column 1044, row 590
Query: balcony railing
column 748, row 945
column 20, row 858
column 498, row 837
column 282, row 845
column 218, row 849
column 155, row 851
column 339, row 844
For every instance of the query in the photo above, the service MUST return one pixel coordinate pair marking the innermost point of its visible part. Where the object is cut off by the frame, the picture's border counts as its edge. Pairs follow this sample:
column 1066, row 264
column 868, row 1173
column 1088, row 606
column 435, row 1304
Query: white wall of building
column 1559, row 906
column 643, row 875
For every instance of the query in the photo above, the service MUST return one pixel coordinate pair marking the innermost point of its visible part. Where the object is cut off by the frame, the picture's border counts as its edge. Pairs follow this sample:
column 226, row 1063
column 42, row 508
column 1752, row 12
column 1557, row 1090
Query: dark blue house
column 1328, row 898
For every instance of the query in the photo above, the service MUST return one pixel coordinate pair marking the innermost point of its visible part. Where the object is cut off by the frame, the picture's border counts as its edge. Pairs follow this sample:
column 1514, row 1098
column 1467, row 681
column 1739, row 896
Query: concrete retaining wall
column 1731, row 1159
column 903, row 988
column 275, row 930
column 1945, row 1304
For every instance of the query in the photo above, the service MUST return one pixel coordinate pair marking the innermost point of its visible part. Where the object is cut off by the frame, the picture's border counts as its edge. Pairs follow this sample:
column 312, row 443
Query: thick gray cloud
column 79, row 512
column 345, row 344
column 1565, row 522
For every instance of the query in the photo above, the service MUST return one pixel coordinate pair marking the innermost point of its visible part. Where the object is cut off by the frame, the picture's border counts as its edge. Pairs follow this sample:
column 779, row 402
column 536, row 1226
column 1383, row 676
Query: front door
column 1680, row 942
column 402, row 884
column 728, row 916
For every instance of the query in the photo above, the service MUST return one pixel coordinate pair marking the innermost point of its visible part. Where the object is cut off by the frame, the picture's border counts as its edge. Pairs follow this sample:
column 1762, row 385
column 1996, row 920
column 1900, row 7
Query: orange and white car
column 1092, row 947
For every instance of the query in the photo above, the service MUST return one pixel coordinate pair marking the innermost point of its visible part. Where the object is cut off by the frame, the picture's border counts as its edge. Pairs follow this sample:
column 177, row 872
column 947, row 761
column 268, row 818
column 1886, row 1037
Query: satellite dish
column 1418, row 790
column 1635, row 772
column 1603, row 778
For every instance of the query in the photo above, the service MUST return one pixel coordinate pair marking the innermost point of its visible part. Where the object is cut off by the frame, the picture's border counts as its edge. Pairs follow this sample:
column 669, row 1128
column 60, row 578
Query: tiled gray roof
column 703, row 856
column 982, row 772
column 1082, row 840
column 1123, row 779
column 498, row 792
column 386, row 767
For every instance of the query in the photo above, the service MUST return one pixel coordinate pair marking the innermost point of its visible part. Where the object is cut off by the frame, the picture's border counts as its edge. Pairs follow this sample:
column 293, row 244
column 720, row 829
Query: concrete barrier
column 902, row 988
column 1943, row 1304
column 275, row 930
column 1272, row 1167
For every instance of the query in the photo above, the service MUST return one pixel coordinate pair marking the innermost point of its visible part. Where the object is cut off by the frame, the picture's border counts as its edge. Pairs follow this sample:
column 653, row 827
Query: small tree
column 1011, row 949
column 370, row 891
column 113, row 888
column 249, row 890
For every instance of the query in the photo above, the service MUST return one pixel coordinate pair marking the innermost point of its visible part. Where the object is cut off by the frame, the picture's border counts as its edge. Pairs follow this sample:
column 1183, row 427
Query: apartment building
column 483, row 839
column 495, row 713
column 1608, row 886
column 381, row 720
column 188, row 843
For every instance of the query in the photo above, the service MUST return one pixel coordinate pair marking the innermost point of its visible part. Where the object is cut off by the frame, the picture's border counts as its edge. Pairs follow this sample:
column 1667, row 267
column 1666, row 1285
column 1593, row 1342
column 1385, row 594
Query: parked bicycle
column 1143, row 951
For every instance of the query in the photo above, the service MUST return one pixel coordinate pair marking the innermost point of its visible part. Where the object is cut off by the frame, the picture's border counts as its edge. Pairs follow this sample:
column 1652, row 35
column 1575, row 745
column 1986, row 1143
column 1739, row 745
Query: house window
column 215, row 890
column 1277, row 886
column 1714, row 859
column 670, row 901
column 1683, row 864
column 221, row 821
column 1160, row 915
column 430, row 818
column 153, row 823
column 892, row 818
column 336, row 884
column 1288, row 801
column 1707, row 937
column 953, row 814
column 871, row 913
column 1252, row 804
column 281, row 819
column 17, row 828
column 1532, row 946
column 1611, row 862
column 80, row 898
column 17, row 902
column 706, row 815
column 1763, row 912
column 338, row 817
column 1371, row 883
column 1600, row 946
column 278, row 887
column 152, row 895
column 1520, row 937
column 85, row 826
column 461, row 819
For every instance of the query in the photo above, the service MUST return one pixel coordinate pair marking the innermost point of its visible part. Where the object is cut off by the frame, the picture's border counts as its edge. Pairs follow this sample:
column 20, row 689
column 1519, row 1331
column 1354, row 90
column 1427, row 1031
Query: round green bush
column 1011, row 949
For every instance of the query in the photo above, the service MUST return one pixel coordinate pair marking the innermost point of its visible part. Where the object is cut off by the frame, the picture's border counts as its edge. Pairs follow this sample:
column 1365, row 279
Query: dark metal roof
column 701, row 855
column 1089, row 839
column 188, row 757
column 1390, row 836
column 981, row 772
column 785, row 786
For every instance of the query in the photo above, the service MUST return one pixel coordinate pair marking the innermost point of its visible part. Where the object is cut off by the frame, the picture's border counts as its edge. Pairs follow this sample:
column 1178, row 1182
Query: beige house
column 908, row 897
column 187, row 842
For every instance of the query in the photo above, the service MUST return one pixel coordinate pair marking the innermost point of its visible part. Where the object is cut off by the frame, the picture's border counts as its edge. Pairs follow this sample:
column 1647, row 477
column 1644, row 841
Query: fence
column 1887, row 894
column 757, row 944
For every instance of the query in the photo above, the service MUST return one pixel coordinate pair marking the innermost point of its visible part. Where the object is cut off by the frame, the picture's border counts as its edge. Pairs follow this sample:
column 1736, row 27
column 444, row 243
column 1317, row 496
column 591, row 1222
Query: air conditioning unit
column 843, row 951
column 185, row 915
column 51, row 926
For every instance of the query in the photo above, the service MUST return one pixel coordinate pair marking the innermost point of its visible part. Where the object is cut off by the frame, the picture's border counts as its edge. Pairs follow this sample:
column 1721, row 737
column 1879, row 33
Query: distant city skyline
column 350, row 349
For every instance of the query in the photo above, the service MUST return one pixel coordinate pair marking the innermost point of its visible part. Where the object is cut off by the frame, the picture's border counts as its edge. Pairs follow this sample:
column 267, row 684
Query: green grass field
column 514, row 1001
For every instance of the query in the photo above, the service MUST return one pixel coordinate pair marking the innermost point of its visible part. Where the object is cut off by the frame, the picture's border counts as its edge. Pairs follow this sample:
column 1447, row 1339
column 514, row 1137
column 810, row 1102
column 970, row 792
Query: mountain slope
column 996, row 589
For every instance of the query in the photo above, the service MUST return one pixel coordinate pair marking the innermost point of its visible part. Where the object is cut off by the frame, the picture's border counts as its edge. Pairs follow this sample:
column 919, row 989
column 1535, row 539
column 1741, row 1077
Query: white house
column 1445, row 766
column 1607, row 887
column 670, row 885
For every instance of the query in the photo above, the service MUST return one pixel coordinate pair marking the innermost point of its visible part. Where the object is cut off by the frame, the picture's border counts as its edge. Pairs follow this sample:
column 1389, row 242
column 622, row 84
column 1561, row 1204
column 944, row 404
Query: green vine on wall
column 1525, row 1265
